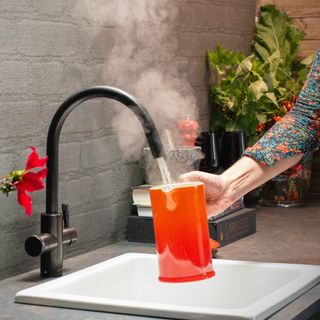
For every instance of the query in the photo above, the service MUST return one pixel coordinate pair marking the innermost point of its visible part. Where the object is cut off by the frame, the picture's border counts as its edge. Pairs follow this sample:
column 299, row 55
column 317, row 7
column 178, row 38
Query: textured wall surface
column 155, row 49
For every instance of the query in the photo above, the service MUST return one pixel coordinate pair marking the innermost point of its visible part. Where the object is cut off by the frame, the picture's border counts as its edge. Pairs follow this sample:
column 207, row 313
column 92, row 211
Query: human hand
column 218, row 194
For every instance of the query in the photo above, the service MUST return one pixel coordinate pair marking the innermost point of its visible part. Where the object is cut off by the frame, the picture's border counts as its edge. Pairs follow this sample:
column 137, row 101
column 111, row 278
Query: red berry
column 260, row 127
column 276, row 118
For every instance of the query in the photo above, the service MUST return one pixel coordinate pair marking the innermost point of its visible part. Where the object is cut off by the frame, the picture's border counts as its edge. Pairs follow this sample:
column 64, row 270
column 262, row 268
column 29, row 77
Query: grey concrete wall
column 49, row 49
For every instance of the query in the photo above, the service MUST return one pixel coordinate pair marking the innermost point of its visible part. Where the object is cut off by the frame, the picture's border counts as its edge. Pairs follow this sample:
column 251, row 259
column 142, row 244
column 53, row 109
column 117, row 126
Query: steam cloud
column 143, row 43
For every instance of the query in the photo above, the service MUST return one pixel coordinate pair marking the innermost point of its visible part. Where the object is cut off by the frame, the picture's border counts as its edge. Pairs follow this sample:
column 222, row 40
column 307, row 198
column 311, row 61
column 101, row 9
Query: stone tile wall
column 155, row 49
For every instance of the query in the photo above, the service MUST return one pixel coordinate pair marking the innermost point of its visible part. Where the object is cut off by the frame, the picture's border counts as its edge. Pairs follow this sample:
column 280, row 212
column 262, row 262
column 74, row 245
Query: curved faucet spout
column 55, row 229
column 60, row 116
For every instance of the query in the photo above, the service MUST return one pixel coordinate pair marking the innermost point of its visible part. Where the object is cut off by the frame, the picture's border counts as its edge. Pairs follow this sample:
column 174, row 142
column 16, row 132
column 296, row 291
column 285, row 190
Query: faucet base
column 48, row 274
column 51, row 262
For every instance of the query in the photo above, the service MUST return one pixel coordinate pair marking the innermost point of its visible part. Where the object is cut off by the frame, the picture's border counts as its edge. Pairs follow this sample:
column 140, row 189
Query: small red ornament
column 188, row 129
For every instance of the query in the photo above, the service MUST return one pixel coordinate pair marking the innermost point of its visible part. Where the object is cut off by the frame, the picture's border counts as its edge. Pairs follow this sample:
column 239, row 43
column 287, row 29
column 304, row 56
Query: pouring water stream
column 165, row 174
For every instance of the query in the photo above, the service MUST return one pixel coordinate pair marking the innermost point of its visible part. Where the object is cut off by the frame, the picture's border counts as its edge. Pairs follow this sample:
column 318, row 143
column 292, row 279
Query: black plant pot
column 209, row 142
column 233, row 144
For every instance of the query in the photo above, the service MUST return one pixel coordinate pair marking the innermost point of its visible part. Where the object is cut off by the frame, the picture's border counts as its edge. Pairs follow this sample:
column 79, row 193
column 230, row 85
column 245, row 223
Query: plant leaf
column 261, row 51
column 307, row 61
column 257, row 88
column 275, row 31
column 245, row 66
column 261, row 117
column 274, row 60
column 272, row 97
column 231, row 126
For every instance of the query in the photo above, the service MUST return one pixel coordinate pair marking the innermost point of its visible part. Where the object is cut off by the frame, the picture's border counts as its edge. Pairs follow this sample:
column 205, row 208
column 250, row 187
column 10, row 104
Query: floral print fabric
column 299, row 130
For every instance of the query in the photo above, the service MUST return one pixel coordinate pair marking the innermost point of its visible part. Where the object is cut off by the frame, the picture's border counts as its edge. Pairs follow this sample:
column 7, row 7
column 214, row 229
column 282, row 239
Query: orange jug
column 181, row 232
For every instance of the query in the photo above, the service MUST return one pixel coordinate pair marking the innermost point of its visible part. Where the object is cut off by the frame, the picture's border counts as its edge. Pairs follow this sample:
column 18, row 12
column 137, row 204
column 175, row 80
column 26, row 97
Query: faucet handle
column 65, row 213
column 70, row 235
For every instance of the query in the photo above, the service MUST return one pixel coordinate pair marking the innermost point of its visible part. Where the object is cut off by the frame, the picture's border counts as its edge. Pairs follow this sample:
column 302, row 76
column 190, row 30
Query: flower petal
column 31, row 182
column 25, row 201
column 42, row 173
column 34, row 161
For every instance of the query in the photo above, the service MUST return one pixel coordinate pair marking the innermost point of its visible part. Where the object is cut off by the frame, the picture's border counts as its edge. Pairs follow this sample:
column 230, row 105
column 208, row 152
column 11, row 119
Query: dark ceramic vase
column 209, row 142
column 233, row 144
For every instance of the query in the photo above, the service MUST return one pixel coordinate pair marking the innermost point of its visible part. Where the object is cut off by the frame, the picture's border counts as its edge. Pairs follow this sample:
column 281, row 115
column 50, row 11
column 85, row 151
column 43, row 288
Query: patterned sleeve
column 298, row 131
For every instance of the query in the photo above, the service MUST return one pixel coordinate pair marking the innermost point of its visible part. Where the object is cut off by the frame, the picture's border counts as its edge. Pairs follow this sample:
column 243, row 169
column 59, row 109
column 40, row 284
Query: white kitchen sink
column 129, row 284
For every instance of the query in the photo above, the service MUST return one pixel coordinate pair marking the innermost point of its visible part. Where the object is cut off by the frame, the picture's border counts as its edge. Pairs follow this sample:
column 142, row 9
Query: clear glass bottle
column 289, row 188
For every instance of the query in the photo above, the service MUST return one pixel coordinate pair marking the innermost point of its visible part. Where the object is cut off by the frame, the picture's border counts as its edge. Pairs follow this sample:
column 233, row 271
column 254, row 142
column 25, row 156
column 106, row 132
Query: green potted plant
column 250, row 93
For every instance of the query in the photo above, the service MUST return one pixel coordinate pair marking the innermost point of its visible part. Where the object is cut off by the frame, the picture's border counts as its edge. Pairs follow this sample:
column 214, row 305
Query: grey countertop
column 283, row 235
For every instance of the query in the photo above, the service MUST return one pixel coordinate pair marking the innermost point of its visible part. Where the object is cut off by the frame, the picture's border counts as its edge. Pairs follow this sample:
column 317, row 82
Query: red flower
column 34, row 161
column 30, row 181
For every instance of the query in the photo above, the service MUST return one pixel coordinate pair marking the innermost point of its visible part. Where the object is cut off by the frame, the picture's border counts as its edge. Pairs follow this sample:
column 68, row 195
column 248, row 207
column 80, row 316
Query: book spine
column 235, row 228
column 238, row 205
column 140, row 229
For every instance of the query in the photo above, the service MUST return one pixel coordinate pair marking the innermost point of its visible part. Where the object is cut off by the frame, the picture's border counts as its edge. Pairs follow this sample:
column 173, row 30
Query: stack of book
column 141, row 200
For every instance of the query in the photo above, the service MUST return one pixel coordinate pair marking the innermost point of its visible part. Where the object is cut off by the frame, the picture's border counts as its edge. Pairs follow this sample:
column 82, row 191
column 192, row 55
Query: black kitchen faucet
column 55, row 229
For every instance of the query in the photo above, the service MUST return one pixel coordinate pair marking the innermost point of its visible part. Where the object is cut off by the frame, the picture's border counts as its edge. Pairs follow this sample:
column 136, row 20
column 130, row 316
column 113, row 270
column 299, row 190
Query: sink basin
column 129, row 284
